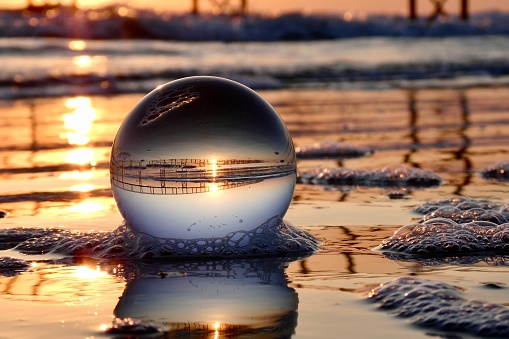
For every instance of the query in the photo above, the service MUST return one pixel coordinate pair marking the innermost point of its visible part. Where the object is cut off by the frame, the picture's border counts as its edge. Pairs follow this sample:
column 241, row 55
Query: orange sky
column 267, row 6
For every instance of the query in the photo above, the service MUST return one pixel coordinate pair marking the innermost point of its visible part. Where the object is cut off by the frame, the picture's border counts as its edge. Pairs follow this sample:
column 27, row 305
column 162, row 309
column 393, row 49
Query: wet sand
column 50, row 180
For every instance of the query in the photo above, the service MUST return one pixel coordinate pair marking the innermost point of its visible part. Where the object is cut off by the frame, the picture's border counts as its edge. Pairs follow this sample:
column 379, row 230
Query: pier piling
column 438, row 9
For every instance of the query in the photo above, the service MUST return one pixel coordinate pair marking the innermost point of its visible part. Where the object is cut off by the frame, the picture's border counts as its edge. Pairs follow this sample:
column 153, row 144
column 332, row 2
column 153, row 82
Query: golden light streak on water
column 77, row 45
column 88, row 207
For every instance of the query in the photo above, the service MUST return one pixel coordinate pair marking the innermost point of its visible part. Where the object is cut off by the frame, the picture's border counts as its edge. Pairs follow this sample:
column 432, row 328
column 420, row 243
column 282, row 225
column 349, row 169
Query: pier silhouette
column 438, row 9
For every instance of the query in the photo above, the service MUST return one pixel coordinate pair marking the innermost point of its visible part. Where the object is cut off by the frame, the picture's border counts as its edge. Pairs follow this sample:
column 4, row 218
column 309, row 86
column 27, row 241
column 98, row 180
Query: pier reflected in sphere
column 202, row 157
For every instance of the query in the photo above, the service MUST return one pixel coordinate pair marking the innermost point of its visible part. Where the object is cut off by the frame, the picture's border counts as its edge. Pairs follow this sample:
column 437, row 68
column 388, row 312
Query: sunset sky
column 268, row 6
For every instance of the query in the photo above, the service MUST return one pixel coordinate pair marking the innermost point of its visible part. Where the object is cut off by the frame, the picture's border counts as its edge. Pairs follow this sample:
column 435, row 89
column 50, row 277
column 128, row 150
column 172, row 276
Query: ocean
column 401, row 135
column 50, row 59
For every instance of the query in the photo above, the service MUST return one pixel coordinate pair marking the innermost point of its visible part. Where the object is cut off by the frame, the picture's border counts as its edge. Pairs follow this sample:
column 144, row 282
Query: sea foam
column 439, row 306
column 473, row 229
column 390, row 176
column 275, row 237
column 498, row 171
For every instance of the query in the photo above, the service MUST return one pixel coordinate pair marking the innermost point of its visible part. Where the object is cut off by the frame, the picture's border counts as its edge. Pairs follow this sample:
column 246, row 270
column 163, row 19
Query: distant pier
column 438, row 9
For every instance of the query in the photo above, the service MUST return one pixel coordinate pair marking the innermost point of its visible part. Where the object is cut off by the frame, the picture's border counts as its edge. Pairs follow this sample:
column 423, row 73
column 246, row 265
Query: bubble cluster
column 498, row 171
column 446, row 237
column 12, row 266
column 391, row 176
column 331, row 150
column 454, row 226
column 437, row 305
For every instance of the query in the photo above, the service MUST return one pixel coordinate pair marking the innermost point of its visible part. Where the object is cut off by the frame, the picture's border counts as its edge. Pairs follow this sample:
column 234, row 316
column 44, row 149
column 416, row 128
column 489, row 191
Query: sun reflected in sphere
column 85, row 272
column 202, row 157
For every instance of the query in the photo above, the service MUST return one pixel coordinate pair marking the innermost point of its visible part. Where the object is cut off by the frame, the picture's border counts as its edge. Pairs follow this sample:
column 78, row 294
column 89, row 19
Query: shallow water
column 55, row 174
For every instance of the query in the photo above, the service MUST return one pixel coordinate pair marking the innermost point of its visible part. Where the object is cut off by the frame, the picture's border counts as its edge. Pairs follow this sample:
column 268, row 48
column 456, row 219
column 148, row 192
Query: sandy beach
column 47, row 181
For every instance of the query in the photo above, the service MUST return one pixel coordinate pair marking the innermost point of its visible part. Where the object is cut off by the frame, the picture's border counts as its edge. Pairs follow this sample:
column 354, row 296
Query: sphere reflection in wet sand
column 202, row 157
column 240, row 298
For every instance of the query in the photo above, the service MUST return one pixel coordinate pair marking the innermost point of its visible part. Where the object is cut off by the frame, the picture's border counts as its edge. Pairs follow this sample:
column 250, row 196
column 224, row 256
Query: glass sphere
column 202, row 157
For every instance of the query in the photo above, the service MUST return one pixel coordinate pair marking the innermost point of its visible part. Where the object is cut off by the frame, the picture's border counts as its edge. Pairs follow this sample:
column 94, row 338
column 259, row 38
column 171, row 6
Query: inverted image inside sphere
column 202, row 157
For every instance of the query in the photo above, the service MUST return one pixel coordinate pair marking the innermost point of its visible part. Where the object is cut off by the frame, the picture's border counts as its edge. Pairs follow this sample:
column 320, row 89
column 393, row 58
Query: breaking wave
column 121, row 23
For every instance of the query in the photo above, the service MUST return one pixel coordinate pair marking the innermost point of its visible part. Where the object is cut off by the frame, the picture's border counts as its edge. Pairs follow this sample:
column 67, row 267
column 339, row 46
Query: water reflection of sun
column 79, row 122
column 88, row 207
column 86, row 64
column 81, row 156
column 56, row 284
column 82, row 61
column 217, row 326
column 78, row 125
column 77, row 45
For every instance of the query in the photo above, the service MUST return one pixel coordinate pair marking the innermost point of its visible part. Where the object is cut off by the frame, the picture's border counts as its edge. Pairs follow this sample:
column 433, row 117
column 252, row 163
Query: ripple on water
column 440, row 306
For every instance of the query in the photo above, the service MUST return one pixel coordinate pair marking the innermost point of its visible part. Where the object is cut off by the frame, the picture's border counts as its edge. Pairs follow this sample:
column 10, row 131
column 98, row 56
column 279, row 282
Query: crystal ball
column 202, row 157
